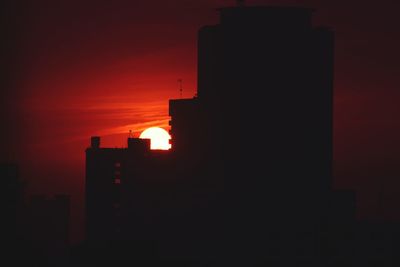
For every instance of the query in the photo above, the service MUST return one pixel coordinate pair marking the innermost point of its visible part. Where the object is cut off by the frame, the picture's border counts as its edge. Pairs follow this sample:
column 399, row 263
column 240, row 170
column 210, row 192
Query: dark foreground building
column 47, row 226
column 264, row 118
column 249, row 178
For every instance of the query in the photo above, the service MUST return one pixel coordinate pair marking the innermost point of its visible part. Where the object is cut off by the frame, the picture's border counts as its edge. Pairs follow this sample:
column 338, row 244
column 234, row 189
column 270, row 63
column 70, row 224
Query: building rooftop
column 266, row 15
column 276, row 9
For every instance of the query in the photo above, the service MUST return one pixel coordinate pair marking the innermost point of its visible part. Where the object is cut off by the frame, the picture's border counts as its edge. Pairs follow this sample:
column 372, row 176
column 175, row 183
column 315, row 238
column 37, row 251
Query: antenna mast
column 180, row 87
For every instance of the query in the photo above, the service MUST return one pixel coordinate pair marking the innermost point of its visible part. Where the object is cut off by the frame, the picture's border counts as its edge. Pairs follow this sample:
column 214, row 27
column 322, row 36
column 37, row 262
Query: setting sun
column 158, row 136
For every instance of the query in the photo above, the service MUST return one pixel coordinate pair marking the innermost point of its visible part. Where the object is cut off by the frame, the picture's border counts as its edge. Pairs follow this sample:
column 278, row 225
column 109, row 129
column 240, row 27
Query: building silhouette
column 122, row 188
column 34, row 232
column 47, row 225
column 9, row 203
column 249, row 177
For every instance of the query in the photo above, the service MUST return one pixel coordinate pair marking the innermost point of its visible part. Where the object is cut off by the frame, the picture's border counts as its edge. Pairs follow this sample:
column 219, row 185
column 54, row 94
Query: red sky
column 73, row 70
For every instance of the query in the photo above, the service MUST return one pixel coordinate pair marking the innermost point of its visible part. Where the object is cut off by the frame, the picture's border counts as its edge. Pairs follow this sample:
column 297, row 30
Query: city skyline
column 365, row 117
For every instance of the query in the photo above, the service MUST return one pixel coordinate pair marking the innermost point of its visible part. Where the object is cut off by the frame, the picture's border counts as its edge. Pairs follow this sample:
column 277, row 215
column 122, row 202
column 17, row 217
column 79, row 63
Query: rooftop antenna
column 180, row 87
column 240, row 3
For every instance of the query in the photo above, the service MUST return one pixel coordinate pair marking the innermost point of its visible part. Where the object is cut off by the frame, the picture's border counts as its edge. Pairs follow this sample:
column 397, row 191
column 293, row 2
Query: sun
column 159, row 138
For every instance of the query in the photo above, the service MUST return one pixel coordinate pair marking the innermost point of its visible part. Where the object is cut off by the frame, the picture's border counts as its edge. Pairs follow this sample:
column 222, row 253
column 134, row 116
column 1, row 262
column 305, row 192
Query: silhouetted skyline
column 67, row 79
column 217, row 198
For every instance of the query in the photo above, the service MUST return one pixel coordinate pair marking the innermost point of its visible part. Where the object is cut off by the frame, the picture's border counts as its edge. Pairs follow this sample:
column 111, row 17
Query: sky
column 74, row 69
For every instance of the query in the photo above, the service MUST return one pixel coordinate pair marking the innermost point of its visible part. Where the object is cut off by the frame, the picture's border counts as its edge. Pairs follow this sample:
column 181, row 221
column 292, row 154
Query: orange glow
column 158, row 136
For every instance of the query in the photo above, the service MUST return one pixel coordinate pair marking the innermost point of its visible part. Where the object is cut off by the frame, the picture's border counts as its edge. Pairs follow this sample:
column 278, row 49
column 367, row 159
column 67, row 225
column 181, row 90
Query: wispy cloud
column 77, row 119
column 136, row 127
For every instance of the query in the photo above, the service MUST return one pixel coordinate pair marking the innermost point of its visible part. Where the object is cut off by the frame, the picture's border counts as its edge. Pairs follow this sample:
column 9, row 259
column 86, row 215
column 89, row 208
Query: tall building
column 121, row 188
column 266, row 74
column 105, row 175
column 265, row 93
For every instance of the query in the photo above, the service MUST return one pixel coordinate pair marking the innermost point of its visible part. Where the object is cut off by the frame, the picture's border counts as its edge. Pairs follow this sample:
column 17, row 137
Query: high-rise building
column 264, row 121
